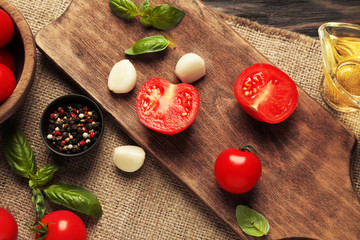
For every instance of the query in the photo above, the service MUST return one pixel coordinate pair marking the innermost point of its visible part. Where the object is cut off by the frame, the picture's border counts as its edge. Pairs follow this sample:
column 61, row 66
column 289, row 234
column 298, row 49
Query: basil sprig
column 75, row 198
column 251, row 222
column 43, row 175
column 18, row 152
column 21, row 159
column 149, row 45
column 39, row 204
column 124, row 8
column 162, row 17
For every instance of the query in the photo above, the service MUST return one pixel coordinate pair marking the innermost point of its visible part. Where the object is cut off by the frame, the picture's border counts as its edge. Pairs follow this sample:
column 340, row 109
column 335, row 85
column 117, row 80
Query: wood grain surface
column 299, row 16
column 305, row 189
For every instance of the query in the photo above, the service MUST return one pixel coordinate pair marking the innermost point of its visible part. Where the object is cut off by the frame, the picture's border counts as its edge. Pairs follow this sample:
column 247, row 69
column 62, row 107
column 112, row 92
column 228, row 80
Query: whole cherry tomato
column 7, row 82
column 237, row 170
column 266, row 93
column 62, row 225
column 8, row 225
column 7, row 58
column 6, row 28
column 165, row 107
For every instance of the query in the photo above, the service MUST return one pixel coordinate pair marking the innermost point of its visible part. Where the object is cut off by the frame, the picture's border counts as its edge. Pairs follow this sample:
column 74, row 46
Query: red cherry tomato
column 7, row 82
column 8, row 225
column 266, row 93
column 7, row 59
column 62, row 225
column 6, row 28
column 237, row 170
column 165, row 107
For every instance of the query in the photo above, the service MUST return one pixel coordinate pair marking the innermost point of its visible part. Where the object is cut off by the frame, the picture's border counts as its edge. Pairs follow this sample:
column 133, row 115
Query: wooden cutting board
column 305, row 189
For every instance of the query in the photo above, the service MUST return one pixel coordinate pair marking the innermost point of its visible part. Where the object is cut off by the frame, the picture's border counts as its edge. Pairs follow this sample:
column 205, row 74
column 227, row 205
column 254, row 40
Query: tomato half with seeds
column 165, row 107
column 266, row 93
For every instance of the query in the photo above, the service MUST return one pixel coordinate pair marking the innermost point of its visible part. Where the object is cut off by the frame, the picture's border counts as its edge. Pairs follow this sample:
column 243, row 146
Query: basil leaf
column 75, row 198
column 149, row 45
column 39, row 204
column 124, row 8
column 144, row 12
column 251, row 222
column 164, row 17
column 43, row 175
column 18, row 151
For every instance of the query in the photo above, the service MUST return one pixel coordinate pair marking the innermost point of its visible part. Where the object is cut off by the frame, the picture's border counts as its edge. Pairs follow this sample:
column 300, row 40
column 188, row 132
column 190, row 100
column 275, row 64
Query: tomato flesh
column 237, row 171
column 165, row 107
column 6, row 28
column 266, row 93
column 8, row 225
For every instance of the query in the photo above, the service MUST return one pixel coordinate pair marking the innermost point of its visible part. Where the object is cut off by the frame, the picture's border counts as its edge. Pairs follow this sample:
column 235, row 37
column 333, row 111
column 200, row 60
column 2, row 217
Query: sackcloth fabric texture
column 150, row 203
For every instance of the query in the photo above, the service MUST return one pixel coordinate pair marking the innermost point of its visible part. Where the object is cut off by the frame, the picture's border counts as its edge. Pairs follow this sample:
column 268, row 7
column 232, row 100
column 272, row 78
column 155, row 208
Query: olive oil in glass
column 340, row 45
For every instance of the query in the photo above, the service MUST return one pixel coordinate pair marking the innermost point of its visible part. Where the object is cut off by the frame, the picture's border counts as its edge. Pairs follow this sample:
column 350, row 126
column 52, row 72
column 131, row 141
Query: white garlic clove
column 122, row 77
column 129, row 158
column 190, row 67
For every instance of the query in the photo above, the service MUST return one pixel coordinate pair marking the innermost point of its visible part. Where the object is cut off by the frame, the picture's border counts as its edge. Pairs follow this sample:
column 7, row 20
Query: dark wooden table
column 302, row 16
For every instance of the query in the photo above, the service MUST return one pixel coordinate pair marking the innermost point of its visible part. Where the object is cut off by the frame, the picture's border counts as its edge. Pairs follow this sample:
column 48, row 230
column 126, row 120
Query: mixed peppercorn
column 73, row 128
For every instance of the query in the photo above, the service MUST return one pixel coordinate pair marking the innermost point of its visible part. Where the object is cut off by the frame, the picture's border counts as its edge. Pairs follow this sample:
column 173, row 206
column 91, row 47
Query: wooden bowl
column 23, row 48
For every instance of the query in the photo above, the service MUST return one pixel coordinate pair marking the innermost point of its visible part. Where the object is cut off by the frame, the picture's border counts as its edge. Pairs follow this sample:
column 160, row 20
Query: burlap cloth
column 148, row 204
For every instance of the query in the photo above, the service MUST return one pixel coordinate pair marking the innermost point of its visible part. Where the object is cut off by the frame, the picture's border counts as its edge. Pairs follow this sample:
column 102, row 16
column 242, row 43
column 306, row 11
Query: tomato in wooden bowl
column 17, row 59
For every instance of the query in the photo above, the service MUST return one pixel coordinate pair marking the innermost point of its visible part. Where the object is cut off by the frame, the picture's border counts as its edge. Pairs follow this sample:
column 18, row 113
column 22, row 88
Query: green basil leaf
column 39, row 204
column 75, row 198
column 18, row 151
column 251, row 222
column 144, row 13
column 44, row 175
column 164, row 17
column 124, row 8
column 145, row 6
column 149, row 45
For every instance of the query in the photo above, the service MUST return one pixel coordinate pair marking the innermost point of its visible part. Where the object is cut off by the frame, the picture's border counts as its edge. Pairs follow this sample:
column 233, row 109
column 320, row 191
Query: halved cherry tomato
column 165, row 107
column 266, row 93
column 7, row 59
column 237, row 170
column 7, row 82
column 8, row 225
column 6, row 28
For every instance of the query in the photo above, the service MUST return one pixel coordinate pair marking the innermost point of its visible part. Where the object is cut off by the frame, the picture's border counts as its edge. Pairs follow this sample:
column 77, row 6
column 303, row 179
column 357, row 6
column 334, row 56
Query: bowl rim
column 27, row 74
column 56, row 103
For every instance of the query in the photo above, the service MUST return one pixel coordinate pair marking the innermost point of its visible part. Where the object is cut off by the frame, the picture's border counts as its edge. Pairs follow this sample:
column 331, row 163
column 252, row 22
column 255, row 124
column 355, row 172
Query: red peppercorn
column 89, row 120
column 60, row 149
column 84, row 129
column 61, row 112
column 52, row 116
column 75, row 111
column 82, row 142
column 73, row 115
column 57, row 133
column 63, row 143
column 85, row 109
column 92, row 134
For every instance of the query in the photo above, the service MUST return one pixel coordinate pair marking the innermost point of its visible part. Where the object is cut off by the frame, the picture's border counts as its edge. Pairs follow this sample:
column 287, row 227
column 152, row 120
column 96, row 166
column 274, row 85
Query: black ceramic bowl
column 71, row 125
